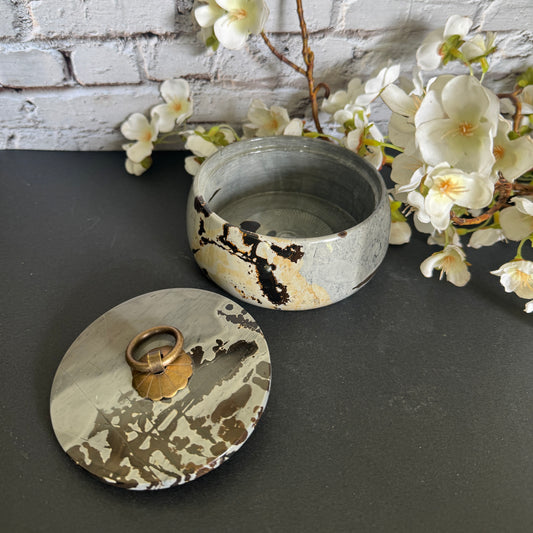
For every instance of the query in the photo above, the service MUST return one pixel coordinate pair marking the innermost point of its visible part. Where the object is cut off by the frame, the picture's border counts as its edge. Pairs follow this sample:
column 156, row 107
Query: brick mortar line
column 190, row 38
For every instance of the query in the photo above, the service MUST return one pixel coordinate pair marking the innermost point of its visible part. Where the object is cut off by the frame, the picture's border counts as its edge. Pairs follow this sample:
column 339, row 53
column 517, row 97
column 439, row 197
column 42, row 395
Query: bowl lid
column 106, row 426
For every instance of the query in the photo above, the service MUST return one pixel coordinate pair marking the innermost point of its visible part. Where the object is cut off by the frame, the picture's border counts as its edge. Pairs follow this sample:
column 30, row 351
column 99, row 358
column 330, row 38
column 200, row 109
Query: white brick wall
column 72, row 70
column 84, row 18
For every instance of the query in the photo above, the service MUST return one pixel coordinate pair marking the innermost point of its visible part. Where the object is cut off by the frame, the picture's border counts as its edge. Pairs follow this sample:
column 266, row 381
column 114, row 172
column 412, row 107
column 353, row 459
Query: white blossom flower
column 375, row 86
column 350, row 113
column 517, row 221
column 517, row 276
column 266, row 122
column 430, row 107
column 137, row 128
column 402, row 133
column 178, row 107
column 136, row 168
column 526, row 100
column 443, row 238
column 451, row 186
column 429, row 55
column 529, row 307
column 235, row 22
column 524, row 204
column 340, row 99
column 398, row 101
column 485, row 237
column 408, row 170
column 400, row 232
column 192, row 164
column 450, row 261
column 417, row 202
column 427, row 228
column 204, row 144
column 478, row 46
column 404, row 106
column 294, row 127
column 207, row 12
column 460, row 129
column 513, row 158
column 200, row 146
column 355, row 141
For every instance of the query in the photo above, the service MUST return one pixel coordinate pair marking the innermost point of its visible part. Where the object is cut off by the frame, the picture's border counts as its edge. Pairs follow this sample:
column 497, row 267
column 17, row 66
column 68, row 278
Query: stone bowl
column 288, row 222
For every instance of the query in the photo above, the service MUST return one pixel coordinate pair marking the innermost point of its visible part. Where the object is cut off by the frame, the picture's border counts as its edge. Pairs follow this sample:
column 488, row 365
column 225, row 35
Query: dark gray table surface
column 406, row 407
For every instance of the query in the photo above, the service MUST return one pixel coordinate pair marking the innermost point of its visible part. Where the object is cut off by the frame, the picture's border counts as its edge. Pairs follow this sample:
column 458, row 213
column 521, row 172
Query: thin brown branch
column 309, row 59
column 280, row 56
column 521, row 189
column 518, row 107
column 324, row 86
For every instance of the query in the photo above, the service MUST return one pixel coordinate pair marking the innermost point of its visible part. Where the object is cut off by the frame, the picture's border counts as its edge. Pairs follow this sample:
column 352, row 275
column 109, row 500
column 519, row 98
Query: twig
column 280, row 56
column 518, row 105
column 521, row 189
column 309, row 59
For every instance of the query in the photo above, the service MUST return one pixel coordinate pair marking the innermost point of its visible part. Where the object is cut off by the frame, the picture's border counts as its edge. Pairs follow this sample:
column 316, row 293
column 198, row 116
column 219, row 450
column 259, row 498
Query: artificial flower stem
column 309, row 59
column 466, row 231
column 518, row 106
column 164, row 136
column 373, row 142
column 521, row 189
column 280, row 56
column 518, row 255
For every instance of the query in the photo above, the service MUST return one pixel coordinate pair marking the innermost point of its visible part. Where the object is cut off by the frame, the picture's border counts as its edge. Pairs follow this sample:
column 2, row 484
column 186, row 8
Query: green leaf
column 526, row 78
column 396, row 215
column 449, row 50
column 524, row 130
column 212, row 42
column 349, row 125
column 459, row 211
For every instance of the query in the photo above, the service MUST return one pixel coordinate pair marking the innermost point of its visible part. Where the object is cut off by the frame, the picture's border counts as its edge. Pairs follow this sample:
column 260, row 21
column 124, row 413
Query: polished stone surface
column 405, row 408
column 288, row 223
column 110, row 430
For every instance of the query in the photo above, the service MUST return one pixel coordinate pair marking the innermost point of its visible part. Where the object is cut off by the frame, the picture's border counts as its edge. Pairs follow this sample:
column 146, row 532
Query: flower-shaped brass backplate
column 166, row 383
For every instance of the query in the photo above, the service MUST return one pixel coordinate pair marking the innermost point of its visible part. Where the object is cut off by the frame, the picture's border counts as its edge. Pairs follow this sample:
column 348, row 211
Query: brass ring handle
column 170, row 357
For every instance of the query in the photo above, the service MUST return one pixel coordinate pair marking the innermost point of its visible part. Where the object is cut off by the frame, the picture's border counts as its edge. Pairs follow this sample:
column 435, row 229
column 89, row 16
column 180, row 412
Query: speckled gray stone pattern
column 287, row 222
column 131, row 442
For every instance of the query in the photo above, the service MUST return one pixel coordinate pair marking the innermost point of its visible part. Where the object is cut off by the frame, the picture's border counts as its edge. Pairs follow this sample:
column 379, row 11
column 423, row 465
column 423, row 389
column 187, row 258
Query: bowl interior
column 290, row 189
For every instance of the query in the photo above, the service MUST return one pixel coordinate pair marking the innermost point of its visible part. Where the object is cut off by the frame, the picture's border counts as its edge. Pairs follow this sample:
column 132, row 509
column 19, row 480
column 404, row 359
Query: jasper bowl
column 288, row 222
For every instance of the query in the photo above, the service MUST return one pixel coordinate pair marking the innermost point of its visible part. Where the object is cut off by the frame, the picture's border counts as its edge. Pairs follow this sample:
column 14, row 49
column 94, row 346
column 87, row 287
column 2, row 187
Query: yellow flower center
column 176, row 106
column 499, row 152
column 449, row 187
column 273, row 124
column 466, row 129
column 238, row 14
column 448, row 262
column 146, row 136
column 524, row 279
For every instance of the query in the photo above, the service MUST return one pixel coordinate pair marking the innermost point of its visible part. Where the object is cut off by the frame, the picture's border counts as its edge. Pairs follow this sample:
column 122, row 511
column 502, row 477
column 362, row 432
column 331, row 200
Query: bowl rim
column 288, row 144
